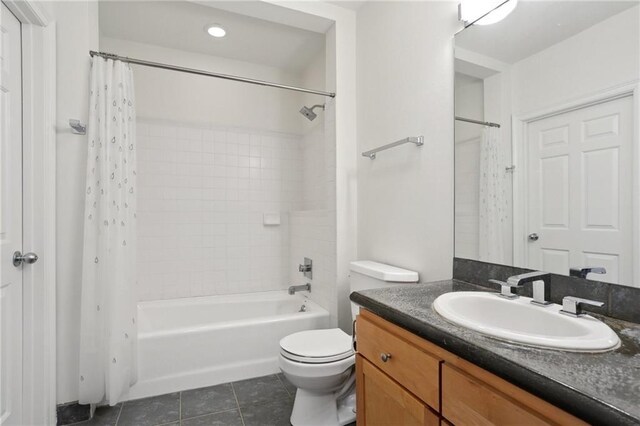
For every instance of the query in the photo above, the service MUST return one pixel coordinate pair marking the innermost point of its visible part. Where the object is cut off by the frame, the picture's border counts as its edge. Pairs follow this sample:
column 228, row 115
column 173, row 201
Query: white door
column 579, row 190
column 10, row 219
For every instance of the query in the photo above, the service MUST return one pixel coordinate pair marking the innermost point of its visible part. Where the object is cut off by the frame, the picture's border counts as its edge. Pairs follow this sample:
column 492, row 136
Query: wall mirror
column 547, row 154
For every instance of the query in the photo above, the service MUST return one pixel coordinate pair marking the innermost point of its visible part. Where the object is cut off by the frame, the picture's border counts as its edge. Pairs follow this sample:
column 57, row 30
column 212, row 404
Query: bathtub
column 203, row 341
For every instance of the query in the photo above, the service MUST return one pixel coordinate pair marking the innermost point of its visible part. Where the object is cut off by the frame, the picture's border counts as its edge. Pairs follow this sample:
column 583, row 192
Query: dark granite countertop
column 602, row 388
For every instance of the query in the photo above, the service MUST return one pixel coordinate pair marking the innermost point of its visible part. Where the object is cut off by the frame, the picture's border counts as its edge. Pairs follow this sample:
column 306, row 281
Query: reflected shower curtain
column 493, row 199
column 108, row 313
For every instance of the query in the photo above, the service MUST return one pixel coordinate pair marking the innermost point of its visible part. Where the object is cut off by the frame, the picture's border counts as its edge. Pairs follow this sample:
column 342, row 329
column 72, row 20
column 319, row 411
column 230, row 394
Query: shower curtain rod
column 208, row 73
column 484, row 123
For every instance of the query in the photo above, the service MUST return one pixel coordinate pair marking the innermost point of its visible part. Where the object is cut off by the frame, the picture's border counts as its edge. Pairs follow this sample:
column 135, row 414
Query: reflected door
column 579, row 190
column 10, row 219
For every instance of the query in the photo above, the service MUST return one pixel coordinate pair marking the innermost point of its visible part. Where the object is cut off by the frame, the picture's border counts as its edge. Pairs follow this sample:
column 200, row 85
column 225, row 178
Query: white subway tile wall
column 312, row 236
column 312, row 232
column 314, row 173
column 203, row 192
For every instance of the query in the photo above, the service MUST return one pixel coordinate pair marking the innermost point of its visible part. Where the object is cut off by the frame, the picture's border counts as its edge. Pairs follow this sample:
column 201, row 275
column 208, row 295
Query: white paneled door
column 580, row 190
column 10, row 220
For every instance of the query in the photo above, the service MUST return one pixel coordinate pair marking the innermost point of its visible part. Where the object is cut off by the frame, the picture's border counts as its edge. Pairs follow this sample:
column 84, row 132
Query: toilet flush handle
column 385, row 357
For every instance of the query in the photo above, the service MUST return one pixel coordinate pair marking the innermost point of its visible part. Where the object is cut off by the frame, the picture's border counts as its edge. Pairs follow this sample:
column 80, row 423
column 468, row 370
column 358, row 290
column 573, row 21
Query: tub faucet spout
column 294, row 288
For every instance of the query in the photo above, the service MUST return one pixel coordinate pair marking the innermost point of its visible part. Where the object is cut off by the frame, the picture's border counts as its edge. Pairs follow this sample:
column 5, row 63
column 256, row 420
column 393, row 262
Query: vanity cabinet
column 388, row 403
column 402, row 379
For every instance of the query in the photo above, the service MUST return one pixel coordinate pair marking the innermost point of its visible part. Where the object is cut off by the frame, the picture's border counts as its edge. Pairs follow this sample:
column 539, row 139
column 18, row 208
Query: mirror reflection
column 547, row 160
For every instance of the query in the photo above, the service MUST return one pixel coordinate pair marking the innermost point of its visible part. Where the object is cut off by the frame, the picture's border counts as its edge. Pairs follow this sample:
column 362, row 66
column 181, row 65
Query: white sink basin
column 519, row 321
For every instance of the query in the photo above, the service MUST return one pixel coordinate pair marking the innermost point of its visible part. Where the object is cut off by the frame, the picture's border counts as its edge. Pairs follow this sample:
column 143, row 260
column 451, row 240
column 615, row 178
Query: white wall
column 405, row 88
column 203, row 194
column 601, row 57
column 469, row 103
column 77, row 24
column 190, row 98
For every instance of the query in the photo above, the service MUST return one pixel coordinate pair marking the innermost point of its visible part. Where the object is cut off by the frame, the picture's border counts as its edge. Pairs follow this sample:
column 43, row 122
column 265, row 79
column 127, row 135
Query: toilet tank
column 366, row 274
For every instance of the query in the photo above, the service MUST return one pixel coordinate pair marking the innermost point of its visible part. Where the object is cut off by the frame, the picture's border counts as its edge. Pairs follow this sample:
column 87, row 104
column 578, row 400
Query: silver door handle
column 533, row 237
column 28, row 258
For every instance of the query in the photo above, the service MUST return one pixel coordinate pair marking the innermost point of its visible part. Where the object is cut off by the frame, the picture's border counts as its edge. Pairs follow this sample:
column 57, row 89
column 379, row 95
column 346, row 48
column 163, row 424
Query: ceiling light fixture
column 485, row 12
column 499, row 13
column 215, row 30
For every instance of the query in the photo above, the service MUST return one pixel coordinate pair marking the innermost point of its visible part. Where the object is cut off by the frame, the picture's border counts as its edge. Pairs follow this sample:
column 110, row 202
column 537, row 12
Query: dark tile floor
column 263, row 401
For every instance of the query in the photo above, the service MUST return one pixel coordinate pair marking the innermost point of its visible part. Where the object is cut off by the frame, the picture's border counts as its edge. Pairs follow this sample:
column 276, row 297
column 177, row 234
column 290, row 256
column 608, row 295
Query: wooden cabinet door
column 407, row 363
column 383, row 402
column 467, row 401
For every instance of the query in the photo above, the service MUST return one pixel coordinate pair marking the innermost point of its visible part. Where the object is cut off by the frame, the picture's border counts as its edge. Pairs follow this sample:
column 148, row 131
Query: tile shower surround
column 203, row 192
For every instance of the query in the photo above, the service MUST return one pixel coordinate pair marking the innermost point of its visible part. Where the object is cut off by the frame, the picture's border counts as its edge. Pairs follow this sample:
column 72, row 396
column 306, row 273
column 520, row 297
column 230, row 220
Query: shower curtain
column 108, row 313
column 493, row 198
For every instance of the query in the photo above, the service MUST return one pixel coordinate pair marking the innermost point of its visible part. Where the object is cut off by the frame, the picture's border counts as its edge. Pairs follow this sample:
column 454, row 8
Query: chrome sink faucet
column 294, row 288
column 505, row 289
column 573, row 305
column 583, row 272
column 541, row 285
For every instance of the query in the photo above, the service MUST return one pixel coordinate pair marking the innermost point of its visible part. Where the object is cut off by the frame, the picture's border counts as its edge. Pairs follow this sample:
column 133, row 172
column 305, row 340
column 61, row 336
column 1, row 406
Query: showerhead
column 308, row 112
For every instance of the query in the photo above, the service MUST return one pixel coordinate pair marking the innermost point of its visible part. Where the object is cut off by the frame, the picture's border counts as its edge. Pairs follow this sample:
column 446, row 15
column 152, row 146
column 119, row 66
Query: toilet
column 321, row 363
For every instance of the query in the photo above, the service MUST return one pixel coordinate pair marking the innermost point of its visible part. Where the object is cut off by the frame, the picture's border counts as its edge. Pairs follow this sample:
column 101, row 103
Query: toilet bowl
column 321, row 363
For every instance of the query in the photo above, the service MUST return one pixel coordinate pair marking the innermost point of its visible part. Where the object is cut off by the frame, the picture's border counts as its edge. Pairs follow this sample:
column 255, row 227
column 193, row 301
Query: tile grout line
column 119, row 413
column 211, row 414
column 237, row 403
column 283, row 385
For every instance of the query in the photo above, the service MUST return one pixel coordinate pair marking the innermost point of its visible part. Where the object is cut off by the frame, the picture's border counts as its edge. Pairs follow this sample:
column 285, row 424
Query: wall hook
column 77, row 127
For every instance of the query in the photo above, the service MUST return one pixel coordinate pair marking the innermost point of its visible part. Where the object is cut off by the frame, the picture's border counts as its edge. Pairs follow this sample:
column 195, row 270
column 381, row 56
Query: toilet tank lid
column 384, row 272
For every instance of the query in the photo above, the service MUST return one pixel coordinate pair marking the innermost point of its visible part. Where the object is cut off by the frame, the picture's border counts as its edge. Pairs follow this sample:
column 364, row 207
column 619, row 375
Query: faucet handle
column 572, row 305
column 583, row 272
column 505, row 289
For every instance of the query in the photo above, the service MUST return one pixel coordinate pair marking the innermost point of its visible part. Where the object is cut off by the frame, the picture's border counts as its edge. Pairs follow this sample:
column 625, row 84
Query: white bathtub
column 203, row 341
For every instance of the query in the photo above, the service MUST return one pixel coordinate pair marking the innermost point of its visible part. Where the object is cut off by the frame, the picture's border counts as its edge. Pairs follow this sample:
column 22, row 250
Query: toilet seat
column 317, row 346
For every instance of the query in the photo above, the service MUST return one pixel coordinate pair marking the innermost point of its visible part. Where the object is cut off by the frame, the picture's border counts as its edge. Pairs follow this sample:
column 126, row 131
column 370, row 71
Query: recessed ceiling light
column 215, row 30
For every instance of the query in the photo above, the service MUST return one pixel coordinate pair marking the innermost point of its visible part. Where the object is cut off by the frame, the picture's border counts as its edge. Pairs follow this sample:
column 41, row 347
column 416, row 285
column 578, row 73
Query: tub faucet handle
column 294, row 288
column 306, row 268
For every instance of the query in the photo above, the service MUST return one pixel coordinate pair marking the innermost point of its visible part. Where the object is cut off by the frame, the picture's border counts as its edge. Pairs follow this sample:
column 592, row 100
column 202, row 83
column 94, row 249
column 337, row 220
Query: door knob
column 533, row 237
column 28, row 258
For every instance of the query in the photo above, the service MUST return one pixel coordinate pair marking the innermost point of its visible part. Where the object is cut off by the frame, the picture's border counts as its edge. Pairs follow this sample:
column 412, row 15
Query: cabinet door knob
column 385, row 357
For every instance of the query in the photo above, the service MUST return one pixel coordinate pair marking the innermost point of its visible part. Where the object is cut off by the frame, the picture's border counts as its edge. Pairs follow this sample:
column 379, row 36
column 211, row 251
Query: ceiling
column 180, row 25
column 536, row 25
column 348, row 4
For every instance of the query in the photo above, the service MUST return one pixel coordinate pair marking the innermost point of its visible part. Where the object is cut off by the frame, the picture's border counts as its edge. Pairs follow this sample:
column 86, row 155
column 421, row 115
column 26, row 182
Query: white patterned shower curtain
column 493, row 198
column 108, row 319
